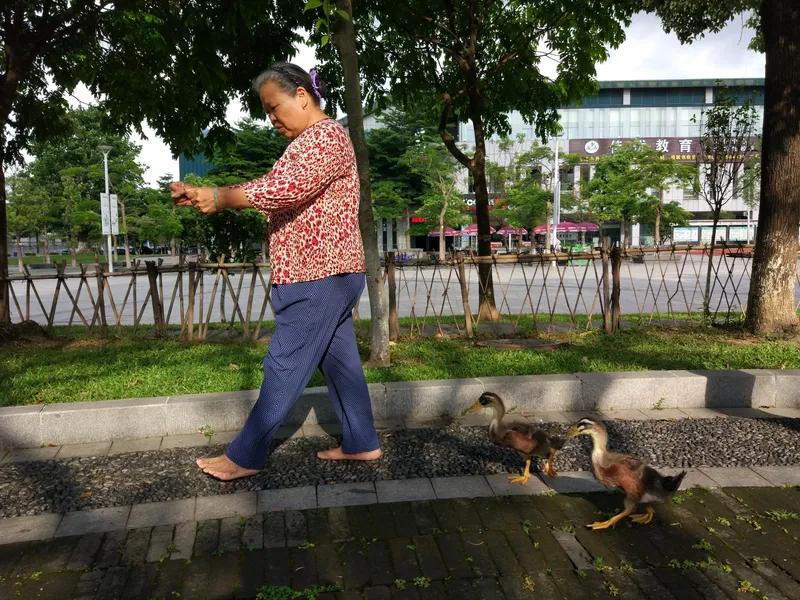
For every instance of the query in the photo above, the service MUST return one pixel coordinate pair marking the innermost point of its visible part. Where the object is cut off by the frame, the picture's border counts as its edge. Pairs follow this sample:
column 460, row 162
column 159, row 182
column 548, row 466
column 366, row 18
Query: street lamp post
column 556, row 198
column 105, row 150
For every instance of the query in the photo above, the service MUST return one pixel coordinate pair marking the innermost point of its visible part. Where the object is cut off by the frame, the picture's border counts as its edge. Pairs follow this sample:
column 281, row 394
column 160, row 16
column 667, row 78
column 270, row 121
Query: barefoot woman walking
column 311, row 198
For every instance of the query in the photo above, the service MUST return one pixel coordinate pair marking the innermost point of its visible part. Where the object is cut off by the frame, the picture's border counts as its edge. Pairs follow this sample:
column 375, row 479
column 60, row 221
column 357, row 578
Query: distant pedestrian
column 311, row 199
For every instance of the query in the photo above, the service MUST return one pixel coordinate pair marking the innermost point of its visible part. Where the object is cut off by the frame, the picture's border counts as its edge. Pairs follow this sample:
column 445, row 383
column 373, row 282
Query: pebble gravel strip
column 59, row 486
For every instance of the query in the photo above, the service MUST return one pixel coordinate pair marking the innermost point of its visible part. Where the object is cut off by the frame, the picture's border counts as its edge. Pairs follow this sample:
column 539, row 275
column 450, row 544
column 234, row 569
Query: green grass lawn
column 72, row 366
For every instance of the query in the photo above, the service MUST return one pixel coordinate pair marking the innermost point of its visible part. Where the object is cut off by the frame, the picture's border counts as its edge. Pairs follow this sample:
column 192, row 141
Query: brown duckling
column 523, row 437
column 641, row 483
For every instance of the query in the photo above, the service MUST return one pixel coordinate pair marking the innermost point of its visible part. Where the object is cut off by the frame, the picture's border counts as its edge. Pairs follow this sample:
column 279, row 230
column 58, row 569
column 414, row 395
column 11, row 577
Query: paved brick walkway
column 713, row 543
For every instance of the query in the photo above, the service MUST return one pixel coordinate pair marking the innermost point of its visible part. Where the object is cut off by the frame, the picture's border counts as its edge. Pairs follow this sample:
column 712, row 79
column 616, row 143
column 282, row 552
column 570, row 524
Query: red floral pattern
column 311, row 199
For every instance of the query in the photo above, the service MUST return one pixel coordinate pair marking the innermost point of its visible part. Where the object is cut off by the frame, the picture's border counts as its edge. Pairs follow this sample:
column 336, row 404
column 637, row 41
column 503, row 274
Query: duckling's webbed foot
column 526, row 475
column 644, row 518
column 611, row 522
column 549, row 469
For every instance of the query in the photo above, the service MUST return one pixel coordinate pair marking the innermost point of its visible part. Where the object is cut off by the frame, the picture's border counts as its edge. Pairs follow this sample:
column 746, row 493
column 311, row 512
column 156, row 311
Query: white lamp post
column 556, row 199
column 105, row 150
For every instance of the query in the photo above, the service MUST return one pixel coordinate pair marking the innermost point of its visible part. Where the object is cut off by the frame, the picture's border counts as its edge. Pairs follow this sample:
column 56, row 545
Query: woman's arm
column 208, row 200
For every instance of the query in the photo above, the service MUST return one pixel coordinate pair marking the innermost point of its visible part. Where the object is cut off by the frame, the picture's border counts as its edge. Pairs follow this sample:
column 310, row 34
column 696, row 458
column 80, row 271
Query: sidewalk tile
column 328, row 430
column 183, row 540
column 501, row 486
column 746, row 413
column 346, row 494
column 625, row 414
column 29, row 528
column 574, row 482
column 80, row 450
column 19, row 455
column 93, row 521
column 735, row 476
column 556, row 417
column 389, row 424
column 153, row 514
column 468, row 486
column 183, row 440
column 224, row 437
column 703, row 413
column 298, row 498
column 779, row 476
column 664, row 413
column 785, row 412
column 289, row 432
column 242, row 504
column 405, row 490
column 160, row 543
column 137, row 445
column 696, row 478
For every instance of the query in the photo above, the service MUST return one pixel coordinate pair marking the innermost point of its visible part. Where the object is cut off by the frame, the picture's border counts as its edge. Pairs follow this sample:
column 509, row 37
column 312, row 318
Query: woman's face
column 289, row 114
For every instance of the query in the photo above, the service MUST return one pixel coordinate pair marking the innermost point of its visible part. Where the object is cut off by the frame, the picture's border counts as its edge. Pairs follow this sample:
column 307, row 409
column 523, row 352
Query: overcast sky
column 647, row 53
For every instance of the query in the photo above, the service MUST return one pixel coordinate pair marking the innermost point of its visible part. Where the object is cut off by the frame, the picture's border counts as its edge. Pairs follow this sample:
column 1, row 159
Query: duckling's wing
column 519, row 441
column 620, row 475
column 630, row 462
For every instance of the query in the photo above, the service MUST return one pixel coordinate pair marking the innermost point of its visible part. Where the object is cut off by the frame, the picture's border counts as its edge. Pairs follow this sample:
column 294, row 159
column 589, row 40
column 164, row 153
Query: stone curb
column 246, row 504
column 83, row 422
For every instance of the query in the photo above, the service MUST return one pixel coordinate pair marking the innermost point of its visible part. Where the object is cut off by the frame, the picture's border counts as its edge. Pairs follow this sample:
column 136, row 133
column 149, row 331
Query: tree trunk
column 486, row 303
column 46, row 247
column 441, row 232
column 771, row 304
column 5, row 309
column 623, row 239
column 710, row 265
column 20, row 254
column 659, row 210
column 345, row 42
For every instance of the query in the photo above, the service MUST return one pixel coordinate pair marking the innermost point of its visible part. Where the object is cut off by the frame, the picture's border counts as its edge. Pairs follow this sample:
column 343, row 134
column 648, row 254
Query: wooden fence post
column 394, row 324
column 607, row 322
column 616, row 263
column 462, row 282
column 155, row 297
column 190, row 301
column 101, row 301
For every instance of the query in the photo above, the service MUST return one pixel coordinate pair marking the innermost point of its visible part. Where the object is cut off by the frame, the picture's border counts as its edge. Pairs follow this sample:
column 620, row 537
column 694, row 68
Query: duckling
column 522, row 437
column 641, row 483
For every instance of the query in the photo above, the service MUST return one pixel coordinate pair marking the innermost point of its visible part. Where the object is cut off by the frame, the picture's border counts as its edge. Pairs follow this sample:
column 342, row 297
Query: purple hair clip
column 315, row 82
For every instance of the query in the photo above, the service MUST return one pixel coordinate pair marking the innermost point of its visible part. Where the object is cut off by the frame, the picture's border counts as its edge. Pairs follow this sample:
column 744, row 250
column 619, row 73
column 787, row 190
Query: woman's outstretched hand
column 201, row 198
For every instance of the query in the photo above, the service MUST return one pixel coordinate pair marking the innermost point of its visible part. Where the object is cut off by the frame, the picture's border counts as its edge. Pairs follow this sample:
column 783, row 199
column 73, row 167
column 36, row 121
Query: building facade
column 665, row 114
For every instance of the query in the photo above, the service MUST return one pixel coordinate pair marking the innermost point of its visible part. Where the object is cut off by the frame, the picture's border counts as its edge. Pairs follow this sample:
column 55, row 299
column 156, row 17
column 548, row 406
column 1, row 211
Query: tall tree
column 618, row 190
column 189, row 58
column 481, row 60
column 771, row 303
column 726, row 145
column 441, row 203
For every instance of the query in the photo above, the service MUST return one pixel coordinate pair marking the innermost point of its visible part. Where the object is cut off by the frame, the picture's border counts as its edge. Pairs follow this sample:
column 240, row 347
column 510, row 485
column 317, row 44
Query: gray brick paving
column 734, row 476
column 470, row 486
column 79, row 450
column 93, row 521
column 501, row 486
column 152, row 514
column 135, row 445
column 299, row 498
column 346, row 494
column 183, row 540
column 696, row 478
column 242, row 504
column 29, row 454
column 160, row 543
column 404, row 490
column 23, row 529
column 184, row 440
column 571, row 482
column 779, row 475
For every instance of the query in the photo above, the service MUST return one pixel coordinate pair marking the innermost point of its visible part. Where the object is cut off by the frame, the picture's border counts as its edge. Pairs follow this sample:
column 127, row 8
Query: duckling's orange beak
column 474, row 408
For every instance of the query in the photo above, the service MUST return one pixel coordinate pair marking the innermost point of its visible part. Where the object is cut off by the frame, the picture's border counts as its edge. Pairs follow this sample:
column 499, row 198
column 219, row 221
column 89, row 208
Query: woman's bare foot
column 339, row 454
column 223, row 468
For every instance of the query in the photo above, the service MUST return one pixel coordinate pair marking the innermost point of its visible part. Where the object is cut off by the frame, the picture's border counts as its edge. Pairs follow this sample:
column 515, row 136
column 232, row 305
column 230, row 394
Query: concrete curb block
column 81, row 422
